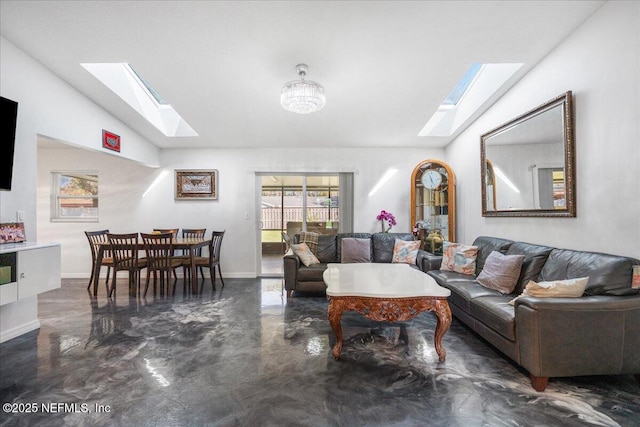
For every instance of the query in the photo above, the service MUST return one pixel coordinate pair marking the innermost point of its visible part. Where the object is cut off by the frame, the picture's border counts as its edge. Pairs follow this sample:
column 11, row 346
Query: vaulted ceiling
column 386, row 65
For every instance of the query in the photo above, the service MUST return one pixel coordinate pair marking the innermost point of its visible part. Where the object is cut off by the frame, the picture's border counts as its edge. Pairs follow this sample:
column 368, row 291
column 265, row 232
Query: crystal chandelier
column 302, row 96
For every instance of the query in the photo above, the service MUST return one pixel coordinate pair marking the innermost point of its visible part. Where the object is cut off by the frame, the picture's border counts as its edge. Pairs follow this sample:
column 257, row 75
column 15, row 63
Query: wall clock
column 431, row 179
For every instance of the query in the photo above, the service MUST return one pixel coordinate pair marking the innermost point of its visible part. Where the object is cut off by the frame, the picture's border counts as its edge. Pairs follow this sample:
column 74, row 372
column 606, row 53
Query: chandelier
column 302, row 96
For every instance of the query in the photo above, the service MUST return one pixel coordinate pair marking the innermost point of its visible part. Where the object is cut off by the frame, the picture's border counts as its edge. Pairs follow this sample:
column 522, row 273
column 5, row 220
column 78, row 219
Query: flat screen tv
column 8, row 117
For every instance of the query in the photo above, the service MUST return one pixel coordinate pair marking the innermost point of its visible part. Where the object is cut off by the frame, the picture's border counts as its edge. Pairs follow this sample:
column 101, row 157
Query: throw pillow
column 311, row 239
column 405, row 251
column 459, row 258
column 304, row 253
column 501, row 272
column 570, row 288
column 355, row 250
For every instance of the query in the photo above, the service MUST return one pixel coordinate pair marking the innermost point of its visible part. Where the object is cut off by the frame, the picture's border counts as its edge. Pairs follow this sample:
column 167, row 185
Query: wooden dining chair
column 174, row 234
column 213, row 260
column 160, row 260
column 125, row 248
column 95, row 238
column 192, row 233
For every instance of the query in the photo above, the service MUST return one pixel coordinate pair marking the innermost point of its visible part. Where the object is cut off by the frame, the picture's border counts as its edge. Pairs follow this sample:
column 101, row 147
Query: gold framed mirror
column 528, row 164
column 433, row 204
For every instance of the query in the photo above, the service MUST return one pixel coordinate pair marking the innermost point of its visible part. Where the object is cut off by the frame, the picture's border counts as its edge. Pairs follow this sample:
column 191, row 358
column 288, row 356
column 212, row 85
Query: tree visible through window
column 74, row 196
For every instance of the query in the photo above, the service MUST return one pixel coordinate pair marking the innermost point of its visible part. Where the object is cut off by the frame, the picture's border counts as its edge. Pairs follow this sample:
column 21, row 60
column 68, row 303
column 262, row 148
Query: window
column 74, row 196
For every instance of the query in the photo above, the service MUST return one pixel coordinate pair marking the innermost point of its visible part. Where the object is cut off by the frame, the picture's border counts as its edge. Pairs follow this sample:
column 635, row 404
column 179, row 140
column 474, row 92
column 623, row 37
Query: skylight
column 159, row 99
column 474, row 88
column 136, row 91
column 463, row 85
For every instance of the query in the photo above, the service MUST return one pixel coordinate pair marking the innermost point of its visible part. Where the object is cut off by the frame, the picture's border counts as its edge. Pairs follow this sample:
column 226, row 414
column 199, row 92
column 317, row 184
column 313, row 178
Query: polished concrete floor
column 244, row 356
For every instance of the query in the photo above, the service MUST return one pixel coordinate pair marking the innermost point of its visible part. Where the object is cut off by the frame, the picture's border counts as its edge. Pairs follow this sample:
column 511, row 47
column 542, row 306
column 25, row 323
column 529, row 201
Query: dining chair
column 213, row 260
column 192, row 233
column 173, row 231
column 125, row 248
column 95, row 239
column 174, row 234
column 160, row 259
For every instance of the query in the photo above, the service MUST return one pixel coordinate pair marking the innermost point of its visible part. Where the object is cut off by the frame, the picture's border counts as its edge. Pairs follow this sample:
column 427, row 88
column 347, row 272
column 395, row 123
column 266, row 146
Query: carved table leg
column 336, row 308
column 443, row 312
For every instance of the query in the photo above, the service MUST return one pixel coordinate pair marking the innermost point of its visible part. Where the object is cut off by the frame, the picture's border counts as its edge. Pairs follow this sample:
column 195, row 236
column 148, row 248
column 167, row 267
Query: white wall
column 49, row 106
column 123, row 209
column 600, row 63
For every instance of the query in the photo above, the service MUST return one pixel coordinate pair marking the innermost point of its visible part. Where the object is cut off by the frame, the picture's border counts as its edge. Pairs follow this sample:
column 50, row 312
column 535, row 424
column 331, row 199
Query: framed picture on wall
column 193, row 184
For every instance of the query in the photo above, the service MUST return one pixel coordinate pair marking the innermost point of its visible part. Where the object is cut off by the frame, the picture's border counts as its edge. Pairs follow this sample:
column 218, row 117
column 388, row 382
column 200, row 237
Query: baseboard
column 19, row 330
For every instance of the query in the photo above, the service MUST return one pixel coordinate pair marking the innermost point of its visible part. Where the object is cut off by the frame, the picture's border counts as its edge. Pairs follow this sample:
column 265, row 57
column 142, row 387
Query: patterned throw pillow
column 311, row 239
column 501, row 272
column 459, row 258
column 304, row 253
column 405, row 251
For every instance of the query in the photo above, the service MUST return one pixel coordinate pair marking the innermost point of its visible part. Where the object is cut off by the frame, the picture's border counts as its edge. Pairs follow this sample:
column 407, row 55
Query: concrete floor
column 244, row 356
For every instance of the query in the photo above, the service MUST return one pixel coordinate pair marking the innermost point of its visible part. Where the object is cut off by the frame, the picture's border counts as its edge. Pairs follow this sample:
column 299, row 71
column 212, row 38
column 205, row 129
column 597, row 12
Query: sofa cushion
column 534, row 258
column 608, row 274
column 464, row 291
column 496, row 313
column 383, row 244
column 304, row 253
column 405, row 252
column 311, row 239
column 444, row 276
column 313, row 273
column 355, row 250
column 459, row 258
column 485, row 246
column 327, row 249
column 501, row 272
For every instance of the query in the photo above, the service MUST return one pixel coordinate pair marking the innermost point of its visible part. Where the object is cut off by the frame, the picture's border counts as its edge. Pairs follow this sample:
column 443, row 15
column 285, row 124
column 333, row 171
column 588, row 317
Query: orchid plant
column 388, row 218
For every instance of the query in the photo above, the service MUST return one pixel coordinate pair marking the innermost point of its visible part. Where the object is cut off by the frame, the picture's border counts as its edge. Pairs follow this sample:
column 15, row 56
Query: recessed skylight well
column 474, row 88
column 136, row 91
column 152, row 91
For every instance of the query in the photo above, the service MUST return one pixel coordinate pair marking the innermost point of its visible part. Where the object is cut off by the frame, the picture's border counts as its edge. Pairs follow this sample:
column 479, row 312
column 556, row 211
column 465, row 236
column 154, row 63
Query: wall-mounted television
column 8, row 118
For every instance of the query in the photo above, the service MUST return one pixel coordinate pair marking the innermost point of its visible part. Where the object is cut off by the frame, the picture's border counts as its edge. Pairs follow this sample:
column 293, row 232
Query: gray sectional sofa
column 298, row 277
column 596, row 334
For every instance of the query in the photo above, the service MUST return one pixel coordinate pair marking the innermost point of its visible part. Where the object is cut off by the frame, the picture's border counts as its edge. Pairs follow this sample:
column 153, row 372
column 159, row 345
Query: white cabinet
column 38, row 271
column 8, row 293
column 35, row 268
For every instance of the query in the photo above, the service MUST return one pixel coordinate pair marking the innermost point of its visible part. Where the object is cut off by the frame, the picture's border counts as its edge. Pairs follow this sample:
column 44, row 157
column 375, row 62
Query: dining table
column 189, row 244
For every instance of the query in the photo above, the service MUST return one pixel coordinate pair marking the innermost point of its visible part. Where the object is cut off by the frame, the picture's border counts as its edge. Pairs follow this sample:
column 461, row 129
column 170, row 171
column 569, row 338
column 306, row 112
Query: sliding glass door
column 291, row 204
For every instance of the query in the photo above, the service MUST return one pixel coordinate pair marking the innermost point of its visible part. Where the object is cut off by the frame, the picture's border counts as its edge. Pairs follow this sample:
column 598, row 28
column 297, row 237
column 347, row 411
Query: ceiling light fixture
column 302, row 96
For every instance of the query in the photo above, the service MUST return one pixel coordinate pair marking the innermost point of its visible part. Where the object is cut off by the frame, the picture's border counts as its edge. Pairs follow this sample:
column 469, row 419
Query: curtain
column 345, row 200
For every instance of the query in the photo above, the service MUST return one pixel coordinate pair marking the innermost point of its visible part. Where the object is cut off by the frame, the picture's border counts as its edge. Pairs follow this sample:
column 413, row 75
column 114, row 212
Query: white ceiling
column 385, row 66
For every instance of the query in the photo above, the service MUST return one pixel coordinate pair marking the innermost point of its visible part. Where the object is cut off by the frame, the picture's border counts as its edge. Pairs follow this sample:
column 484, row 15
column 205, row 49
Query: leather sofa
column 298, row 277
column 596, row 334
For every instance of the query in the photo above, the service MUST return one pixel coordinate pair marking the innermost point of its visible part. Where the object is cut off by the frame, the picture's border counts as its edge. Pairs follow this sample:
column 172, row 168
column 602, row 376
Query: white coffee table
column 385, row 292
